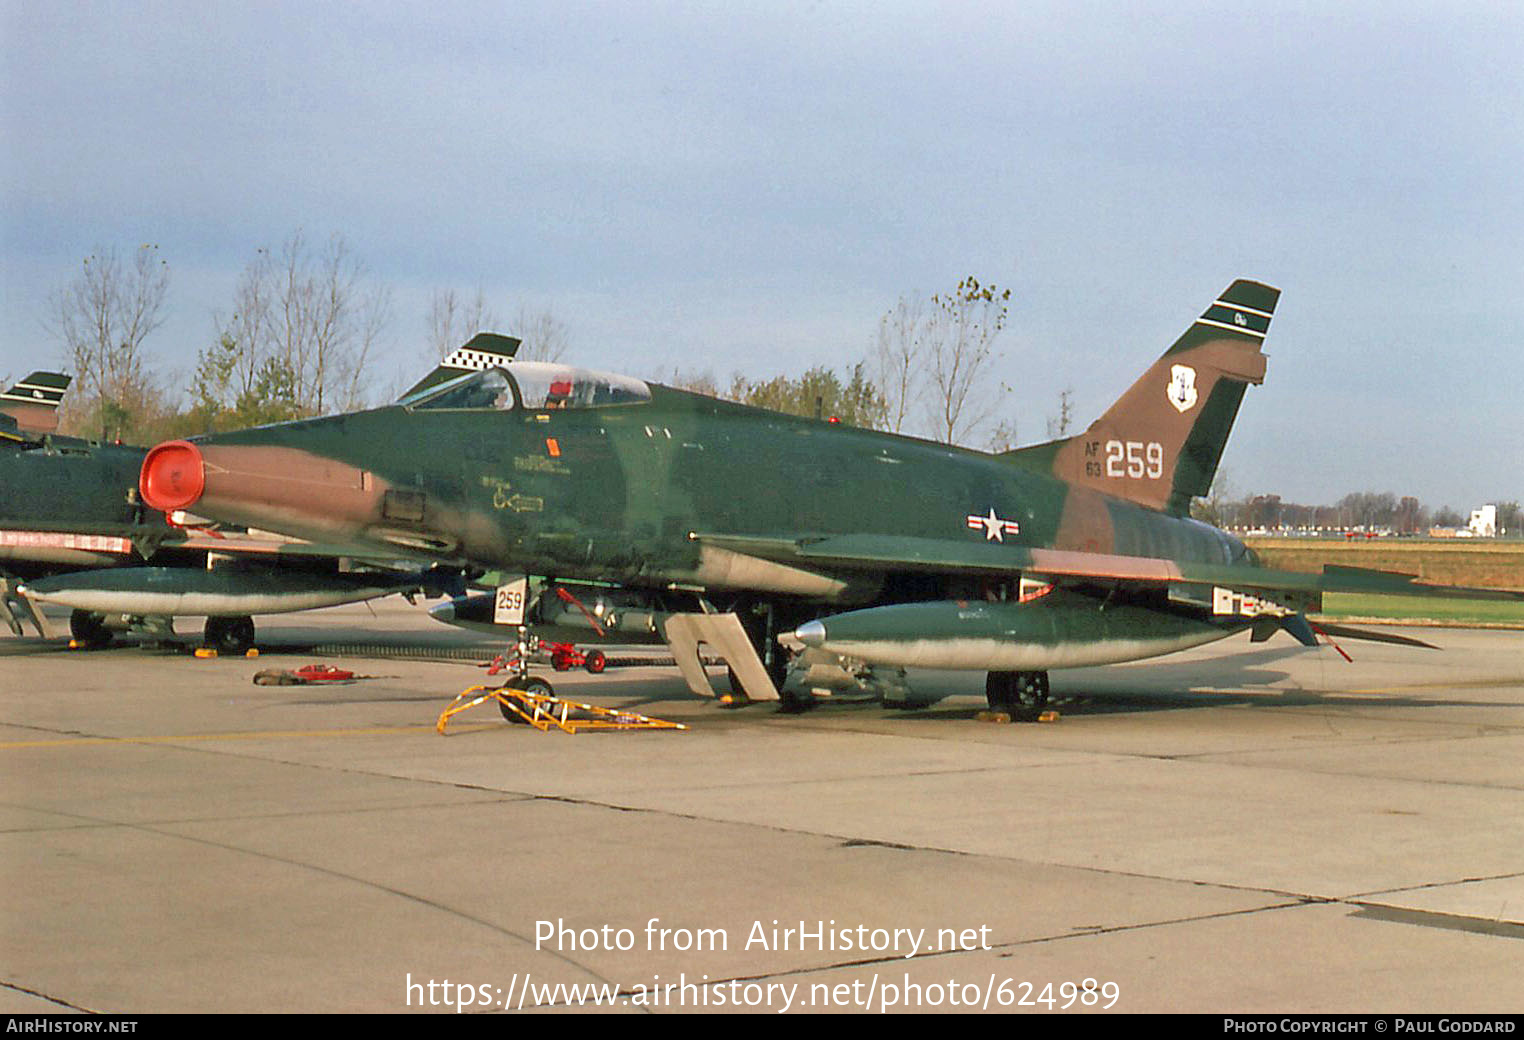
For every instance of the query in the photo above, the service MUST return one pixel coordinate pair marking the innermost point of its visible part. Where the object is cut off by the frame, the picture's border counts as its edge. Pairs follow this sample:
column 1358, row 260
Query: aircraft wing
column 903, row 553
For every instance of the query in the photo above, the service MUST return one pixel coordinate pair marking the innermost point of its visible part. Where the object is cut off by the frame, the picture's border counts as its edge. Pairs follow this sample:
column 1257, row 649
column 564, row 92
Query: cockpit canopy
column 532, row 386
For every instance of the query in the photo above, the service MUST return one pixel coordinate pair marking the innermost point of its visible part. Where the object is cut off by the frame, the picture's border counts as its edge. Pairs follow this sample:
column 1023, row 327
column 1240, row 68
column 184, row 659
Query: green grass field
column 1415, row 608
column 1478, row 563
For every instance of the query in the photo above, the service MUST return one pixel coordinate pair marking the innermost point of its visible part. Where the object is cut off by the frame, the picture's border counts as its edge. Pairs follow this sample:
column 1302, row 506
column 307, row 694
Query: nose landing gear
column 1022, row 695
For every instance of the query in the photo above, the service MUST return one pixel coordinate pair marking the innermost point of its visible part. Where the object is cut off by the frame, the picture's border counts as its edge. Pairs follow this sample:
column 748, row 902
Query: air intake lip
column 173, row 476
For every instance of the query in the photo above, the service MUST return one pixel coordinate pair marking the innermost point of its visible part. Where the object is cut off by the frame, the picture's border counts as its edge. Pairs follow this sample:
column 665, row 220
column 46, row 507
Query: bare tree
column 960, row 333
column 695, row 382
column 1411, row 517
column 1508, row 518
column 1002, row 438
column 546, row 337
column 1217, row 507
column 897, row 359
column 102, row 317
column 306, row 321
column 1368, row 509
column 1058, row 425
column 453, row 321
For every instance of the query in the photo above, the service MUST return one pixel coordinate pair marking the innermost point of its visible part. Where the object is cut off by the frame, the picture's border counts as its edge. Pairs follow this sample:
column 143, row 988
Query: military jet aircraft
column 74, row 532
column 889, row 549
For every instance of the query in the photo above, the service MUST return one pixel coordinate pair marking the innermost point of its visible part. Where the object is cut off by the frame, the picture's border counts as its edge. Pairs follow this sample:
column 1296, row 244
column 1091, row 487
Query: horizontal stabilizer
column 1305, row 632
column 1345, row 632
column 1337, row 578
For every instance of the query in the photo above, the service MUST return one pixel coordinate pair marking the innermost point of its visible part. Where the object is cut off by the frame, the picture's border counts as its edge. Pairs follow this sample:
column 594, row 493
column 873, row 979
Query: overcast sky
column 749, row 188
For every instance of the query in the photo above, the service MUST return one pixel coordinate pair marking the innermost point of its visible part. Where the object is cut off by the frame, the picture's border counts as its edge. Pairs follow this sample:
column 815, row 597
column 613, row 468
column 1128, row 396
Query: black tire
column 229, row 635
column 795, row 704
column 533, row 684
column 595, row 662
column 89, row 628
column 1019, row 694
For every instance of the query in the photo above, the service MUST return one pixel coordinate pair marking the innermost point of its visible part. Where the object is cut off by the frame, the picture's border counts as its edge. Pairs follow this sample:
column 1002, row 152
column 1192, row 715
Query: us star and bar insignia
column 995, row 529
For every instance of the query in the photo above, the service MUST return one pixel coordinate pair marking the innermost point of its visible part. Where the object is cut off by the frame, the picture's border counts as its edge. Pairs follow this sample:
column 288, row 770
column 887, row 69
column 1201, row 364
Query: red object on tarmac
column 323, row 673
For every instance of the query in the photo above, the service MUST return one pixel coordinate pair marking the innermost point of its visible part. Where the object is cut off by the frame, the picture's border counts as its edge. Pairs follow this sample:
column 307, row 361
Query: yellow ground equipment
column 542, row 711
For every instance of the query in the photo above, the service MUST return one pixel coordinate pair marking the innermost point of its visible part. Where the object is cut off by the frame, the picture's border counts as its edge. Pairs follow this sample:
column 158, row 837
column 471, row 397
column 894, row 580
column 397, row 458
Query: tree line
column 301, row 329
column 1364, row 511
column 927, row 374
column 297, row 340
column 305, row 319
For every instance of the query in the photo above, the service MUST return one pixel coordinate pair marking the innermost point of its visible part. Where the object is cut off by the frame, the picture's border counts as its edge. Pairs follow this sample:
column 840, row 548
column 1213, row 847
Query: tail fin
column 33, row 402
column 1160, row 443
column 484, row 350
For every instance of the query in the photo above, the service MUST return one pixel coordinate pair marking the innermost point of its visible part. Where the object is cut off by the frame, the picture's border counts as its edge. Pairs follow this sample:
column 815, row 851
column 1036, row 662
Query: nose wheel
column 1022, row 695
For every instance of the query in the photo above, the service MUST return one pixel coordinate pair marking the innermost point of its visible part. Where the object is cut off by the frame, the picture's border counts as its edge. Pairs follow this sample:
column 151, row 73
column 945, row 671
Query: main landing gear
column 1022, row 695
column 229, row 635
column 88, row 629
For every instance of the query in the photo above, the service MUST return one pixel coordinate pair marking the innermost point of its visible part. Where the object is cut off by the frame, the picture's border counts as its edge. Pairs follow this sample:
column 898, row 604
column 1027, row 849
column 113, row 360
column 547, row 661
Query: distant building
column 1484, row 522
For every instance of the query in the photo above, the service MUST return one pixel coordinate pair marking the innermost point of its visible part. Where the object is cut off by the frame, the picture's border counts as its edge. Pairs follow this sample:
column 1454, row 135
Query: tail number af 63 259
column 1135, row 459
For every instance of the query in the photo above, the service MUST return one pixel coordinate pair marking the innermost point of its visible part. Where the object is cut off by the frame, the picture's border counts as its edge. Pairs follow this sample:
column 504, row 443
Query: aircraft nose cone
column 811, row 633
column 173, row 476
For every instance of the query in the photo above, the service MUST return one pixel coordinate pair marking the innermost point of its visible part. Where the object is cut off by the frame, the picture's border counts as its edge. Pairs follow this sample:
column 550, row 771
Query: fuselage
column 617, row 492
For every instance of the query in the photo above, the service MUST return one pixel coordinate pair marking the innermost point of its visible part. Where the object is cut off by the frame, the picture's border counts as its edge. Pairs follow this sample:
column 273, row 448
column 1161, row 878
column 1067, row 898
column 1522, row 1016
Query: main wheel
column 89, row 628
column 1022, row 694
column 229, row 635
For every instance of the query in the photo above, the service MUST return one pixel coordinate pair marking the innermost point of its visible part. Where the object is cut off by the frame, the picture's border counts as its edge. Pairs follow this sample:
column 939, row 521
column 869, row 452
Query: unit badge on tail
column 1182, row 387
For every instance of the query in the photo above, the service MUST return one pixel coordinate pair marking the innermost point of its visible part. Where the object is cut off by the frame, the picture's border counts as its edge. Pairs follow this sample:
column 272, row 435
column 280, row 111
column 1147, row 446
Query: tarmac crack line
column 94, row 823
column 353, row 879
column 18, row 988
column 858, row 841
column 519, row 795
column 1434, row 884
